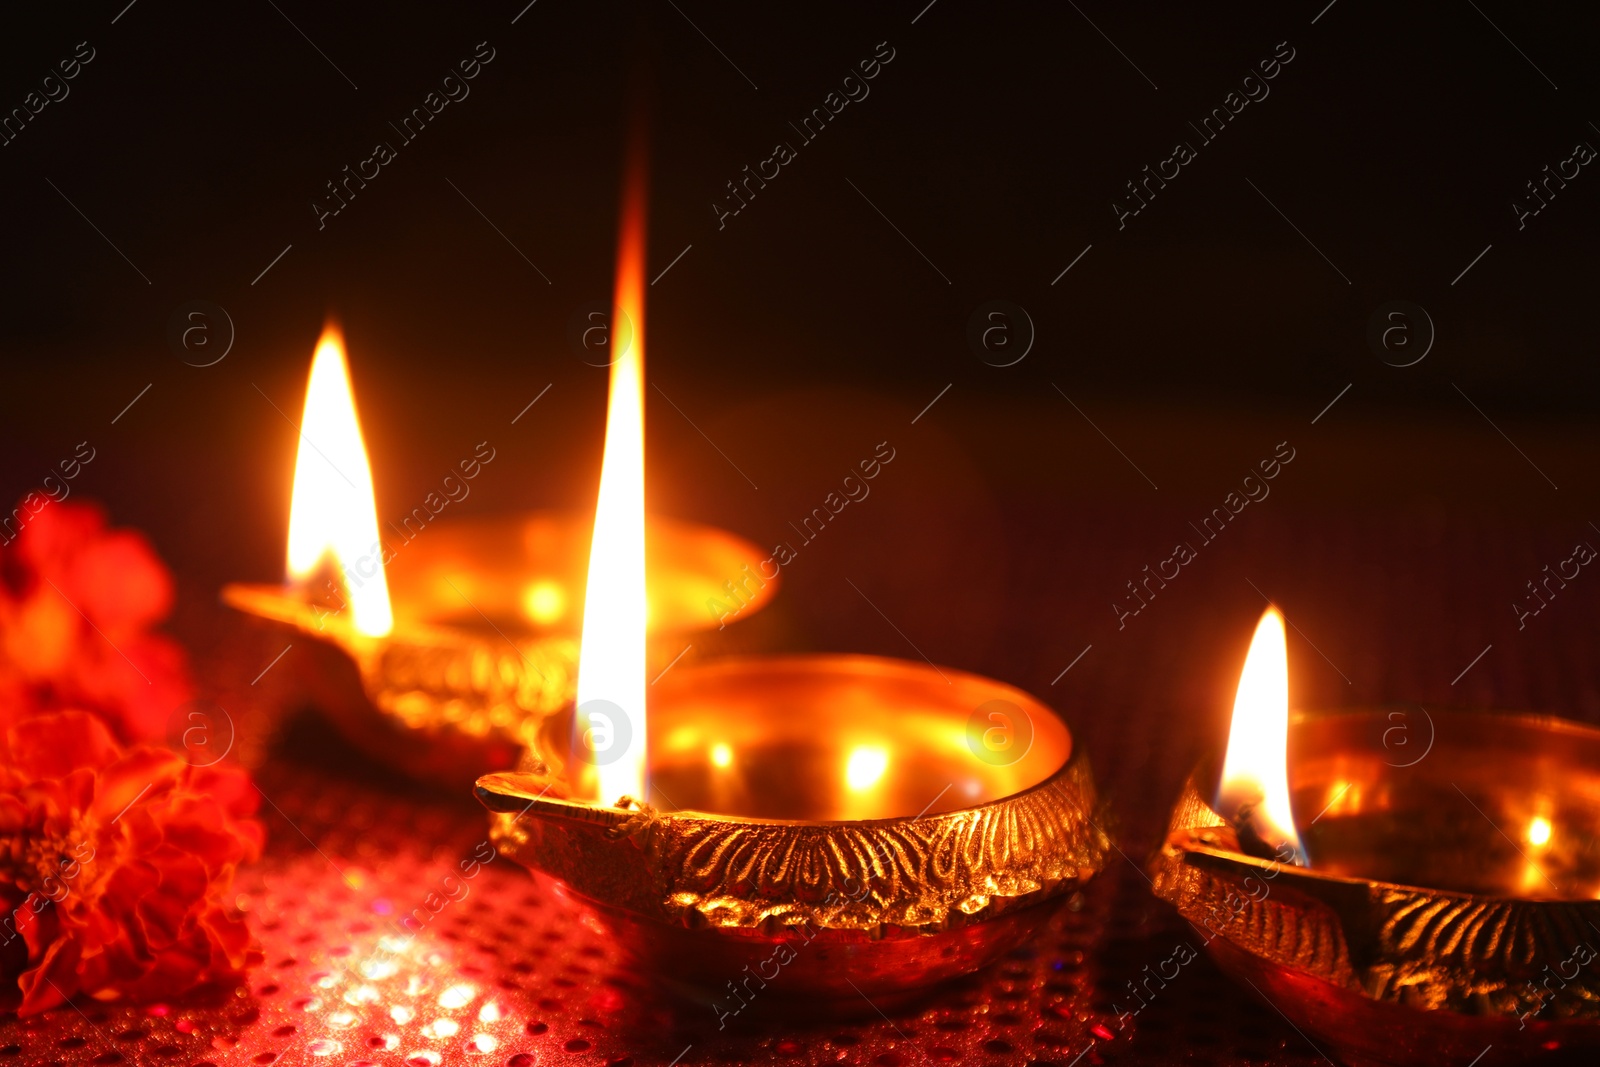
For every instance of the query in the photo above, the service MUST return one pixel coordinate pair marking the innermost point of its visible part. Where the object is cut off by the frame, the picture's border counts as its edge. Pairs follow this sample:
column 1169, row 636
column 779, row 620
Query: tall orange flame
column 1255, row 772
column 611, row 663
column 333, row 514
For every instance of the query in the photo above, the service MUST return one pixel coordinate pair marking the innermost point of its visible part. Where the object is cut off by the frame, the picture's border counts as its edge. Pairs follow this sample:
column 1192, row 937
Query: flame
column 1255, row 773
column 611, row 663
column 333, row 514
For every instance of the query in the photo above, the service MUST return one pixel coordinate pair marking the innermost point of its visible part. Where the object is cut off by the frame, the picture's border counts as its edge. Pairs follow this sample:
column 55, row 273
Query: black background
column 808, row 330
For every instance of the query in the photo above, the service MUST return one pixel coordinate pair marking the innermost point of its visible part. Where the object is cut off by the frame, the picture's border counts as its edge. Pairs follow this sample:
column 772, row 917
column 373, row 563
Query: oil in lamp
column 836, row 828
column 433, row 654
column 1432, row 908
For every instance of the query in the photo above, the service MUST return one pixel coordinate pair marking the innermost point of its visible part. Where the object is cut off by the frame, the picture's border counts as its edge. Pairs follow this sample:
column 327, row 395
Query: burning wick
column 1254, row 794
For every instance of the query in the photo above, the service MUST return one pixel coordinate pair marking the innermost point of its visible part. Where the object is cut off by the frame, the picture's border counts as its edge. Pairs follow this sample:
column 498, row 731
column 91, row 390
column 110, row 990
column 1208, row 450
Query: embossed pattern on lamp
column 837, row 806
column 1450, row 903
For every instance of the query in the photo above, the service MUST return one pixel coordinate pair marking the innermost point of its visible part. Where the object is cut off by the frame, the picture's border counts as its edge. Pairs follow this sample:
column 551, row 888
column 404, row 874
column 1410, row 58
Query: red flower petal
column 118, row 581
column 52, row 746
column 75, row 601
column 153, row 844
column 55, row 533
column 49, row 984
column 137, row 774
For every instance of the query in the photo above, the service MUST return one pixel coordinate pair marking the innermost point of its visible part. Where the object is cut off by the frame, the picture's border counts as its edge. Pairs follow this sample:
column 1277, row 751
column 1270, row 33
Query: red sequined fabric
column 507, row 975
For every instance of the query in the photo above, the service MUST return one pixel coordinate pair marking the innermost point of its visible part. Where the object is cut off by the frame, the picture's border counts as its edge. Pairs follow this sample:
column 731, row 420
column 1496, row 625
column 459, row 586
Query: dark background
column 808, row 330
column 831, row 315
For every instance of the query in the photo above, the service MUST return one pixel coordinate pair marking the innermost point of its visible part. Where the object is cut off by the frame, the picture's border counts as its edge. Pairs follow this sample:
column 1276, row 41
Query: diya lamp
column 1441, row 901
column 435, row 655
column 821, row 827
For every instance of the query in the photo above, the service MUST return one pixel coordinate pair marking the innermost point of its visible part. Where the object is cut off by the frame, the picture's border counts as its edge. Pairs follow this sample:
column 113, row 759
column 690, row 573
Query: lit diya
column 818, row 827
column 1449, row 902
column 435, row 647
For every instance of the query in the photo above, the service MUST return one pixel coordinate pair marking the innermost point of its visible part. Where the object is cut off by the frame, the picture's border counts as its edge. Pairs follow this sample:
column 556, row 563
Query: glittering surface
column 506, row 975
column 494, row 969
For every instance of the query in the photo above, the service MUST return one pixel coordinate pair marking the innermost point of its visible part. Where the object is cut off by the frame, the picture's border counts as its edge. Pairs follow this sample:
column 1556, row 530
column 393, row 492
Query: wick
column 1251, row 843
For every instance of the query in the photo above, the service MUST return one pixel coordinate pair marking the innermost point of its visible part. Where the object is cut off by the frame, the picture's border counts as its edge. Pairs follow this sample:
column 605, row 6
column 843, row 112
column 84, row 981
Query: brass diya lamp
column 1449, row 911
column 432, row 644
column 837, row 828
column 824, row 828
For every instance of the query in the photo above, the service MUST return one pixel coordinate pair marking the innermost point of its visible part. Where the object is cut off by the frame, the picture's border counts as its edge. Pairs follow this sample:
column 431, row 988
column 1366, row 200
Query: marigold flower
column 116, row 866
column 77, row 601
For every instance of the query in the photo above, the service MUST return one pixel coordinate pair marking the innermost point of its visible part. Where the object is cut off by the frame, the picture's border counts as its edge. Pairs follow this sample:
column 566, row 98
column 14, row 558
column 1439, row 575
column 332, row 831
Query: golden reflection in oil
column 841, row 743
column 545, row 602
column 1535, row 870
column 1342, row 798
column 865, row 767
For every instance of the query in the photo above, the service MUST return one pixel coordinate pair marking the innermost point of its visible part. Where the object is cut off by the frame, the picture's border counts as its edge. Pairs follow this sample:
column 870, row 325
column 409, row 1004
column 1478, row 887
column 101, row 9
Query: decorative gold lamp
column 1451, row 903
column 430, row 650
column 824, row 827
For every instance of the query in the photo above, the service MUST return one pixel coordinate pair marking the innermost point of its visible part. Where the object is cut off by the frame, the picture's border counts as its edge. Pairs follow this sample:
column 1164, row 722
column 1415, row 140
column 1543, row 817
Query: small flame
column 333, row 514
column 611, row 662
column 1255, row 773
